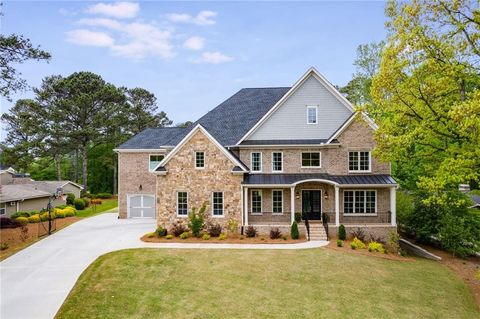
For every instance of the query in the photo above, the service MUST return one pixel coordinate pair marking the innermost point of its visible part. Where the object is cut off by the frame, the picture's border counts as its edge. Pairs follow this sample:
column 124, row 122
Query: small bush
column 197, row 224
column 160, row 231
column 275, row 233
column 34, row 219
column 298, row 217
column 284, row 237
column 242, row 238
column 251, row 232
column 150, row 235
column 19, row 214
column 358, row 233
column 69, row 213
column 60, row 214
column 339, row 243
column 214, row 229
column 79, row 204
column 342, row 234
column 206, row 237
column 4, row 246
column 377, row 239
column 376, row 247
column 7, row 222
column 394, row 242
column 22, row 221
column 70, row 198
column 294, row 231
column 184, row 235
column 104, row 195
column 232, row 226
column 178, row 229
column 169, row 236
column 70, row 209
column 222, row 237
column 357, row 244
column 87, row 201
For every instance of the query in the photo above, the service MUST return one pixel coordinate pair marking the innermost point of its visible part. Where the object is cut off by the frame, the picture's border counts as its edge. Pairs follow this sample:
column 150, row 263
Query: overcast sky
column 194, row 55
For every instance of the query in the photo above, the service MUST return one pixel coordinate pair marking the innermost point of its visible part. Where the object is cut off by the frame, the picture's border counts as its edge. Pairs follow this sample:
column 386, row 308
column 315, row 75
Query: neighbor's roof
column 51, row 186
column 289, row 179
column 475, row 199
column 228, row 122
column 14, row 192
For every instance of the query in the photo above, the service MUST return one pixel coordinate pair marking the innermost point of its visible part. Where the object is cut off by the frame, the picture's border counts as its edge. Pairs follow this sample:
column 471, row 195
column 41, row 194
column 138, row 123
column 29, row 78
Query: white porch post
column 292, row 204
column 245, row 204
column 393, row 205
column 337, row 205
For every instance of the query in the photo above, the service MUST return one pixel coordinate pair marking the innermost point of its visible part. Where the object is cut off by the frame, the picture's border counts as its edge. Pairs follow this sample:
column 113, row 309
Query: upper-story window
column 277, row 161
column 199, row 159
column 359, row 161
column 256, row 161
column 311, row 159
column 154, row 161
column 312, row 114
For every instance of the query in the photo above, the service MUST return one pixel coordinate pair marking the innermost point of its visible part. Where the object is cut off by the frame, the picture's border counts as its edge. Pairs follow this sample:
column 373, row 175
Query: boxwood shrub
column 79, row 204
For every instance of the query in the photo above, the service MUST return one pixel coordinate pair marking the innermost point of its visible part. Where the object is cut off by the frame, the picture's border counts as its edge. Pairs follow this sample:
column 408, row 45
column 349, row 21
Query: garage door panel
column 135, row 212
column 148, row 201
column 141, row 206
column 149, row 212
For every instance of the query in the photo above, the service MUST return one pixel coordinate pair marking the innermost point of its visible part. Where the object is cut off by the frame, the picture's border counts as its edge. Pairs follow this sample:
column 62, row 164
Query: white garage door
column 141, row 206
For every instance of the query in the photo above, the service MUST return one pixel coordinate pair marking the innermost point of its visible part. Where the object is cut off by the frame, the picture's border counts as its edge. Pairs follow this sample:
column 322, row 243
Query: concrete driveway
column 35, row 281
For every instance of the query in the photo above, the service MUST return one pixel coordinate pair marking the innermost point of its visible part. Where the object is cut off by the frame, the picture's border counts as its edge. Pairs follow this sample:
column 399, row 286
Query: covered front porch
column 274, row 199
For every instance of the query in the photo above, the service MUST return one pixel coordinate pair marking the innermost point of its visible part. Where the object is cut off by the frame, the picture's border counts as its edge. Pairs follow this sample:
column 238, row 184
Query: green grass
column 314, row 283
column 107, row 204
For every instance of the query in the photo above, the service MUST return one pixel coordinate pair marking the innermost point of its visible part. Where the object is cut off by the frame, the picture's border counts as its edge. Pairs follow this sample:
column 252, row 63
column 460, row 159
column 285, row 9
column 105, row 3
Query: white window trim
column 274, row 171
column 369, row 162
column 195, row 160
column 153, row 154
column 3, row 207
column 223, row 206
column 365, row 205
column 277, row 190
column 176, row 199
column 261, row 162
column 251, row 202
column 301, row 160
column 315, row 107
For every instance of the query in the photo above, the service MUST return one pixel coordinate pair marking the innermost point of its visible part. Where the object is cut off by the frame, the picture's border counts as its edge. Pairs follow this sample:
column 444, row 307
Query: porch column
column 292, row 204
column 393, row 205
column 245, row 204
column 337, row 205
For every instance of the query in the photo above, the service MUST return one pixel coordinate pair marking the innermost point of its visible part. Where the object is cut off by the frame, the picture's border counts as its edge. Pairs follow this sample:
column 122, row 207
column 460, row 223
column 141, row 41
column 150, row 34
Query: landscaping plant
column 250, row 231
column 206, row 236
column 298, row 217
column 222, row 237
column 197, row 224
column 79, row 204
column 214, row 229
column 34, row 219
column 4, row 246
column 184, row 235
column 232, row 226
column 374, row 246
column 178, row 229
column 339, row 243
column 294, row 233
column 342, row 234
column 275, row 233
column 70, row 198
column 169, row 236
column 22, row 221
column 358, row 233
column 160, row 231
column 357, row 244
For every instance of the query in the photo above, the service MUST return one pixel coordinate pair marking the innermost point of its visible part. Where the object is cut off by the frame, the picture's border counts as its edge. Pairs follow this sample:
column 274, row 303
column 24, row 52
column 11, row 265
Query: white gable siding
column 289, row 121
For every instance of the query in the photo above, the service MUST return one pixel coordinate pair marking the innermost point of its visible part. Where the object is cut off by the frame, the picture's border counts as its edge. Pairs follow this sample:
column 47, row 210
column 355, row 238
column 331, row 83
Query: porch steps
column 317, row 231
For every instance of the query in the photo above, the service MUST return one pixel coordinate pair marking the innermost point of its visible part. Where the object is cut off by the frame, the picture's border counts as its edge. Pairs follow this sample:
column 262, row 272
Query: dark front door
column 312, row 204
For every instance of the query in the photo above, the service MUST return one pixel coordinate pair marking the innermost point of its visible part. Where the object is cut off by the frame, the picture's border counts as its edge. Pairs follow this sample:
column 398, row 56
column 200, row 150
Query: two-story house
column 259, row 157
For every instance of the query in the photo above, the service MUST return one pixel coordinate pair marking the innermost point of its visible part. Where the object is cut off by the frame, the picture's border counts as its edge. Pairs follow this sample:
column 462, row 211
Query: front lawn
column 106, row 204
column 314, row 283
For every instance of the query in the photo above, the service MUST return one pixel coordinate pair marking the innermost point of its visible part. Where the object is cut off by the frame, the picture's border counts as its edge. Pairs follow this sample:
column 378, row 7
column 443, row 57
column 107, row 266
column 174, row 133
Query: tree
column 427, row 93
column 184, row 124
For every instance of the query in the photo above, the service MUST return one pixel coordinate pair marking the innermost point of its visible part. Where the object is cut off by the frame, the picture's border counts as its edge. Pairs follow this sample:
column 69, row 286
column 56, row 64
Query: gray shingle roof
column 288, row 179
column 154, row 138
column 13, row 192
column 284, row 142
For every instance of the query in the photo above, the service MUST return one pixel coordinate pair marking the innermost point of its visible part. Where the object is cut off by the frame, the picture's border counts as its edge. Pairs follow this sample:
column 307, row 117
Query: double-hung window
column 199, row 159
column 256, row 161
column 182, row 203
column 217, row 203
column 256, row 201
column 359, row 201
column 312, row 114
column 277, row 201
column 311, row 159
column 359, row 161
column 277, row 162
column 154, row 160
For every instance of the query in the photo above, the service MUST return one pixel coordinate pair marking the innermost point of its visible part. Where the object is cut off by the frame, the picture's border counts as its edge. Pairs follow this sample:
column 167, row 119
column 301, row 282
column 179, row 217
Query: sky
column 194, row 55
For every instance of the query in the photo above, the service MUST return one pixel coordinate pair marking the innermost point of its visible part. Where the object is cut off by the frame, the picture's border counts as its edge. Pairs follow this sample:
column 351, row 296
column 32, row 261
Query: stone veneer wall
column 133, row 172
column 199, row 183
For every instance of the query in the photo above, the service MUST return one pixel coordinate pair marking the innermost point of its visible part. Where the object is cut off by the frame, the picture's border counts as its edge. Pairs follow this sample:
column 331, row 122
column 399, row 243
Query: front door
column 312, row 204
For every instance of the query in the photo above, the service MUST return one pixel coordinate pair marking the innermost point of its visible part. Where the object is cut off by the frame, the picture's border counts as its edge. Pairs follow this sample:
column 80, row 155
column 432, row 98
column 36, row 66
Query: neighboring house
column 476, row 201
column 261, row 156
column 20, row 193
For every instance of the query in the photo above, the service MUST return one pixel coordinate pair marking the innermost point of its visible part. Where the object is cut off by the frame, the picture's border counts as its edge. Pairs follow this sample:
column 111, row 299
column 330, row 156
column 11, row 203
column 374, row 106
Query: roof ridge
column 268, row 87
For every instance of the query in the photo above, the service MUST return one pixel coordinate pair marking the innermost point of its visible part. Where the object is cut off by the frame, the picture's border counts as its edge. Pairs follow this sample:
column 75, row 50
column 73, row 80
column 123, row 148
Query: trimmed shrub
column 275, row 233
column 170, row 236
column 214, row 229
column 22, row 221
column 7, row 222
column 79, row 204
column 339, row 243
column 232, row 226
column 342, row 233
column 70, row 198
column 150, row 235
column 19, row 214
column 178, row 229
column 161, row 232
column 222, row 236
column 294, row 231
column 184, row 235
column 104, row 195
column 69, row 213
column 251, row 232
column 4, row 246
column 197, row 224
column 60, row 214
column 34, row 219
column 87, row 201
column 206, row 237
column 357, row 244
column 376, row 247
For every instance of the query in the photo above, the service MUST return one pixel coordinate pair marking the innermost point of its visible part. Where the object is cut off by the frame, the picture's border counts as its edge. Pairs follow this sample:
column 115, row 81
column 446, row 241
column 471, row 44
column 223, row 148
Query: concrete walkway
column 36, row 280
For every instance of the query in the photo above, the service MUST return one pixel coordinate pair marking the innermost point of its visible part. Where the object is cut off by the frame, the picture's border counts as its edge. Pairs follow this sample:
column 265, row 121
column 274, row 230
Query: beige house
column 260, row 157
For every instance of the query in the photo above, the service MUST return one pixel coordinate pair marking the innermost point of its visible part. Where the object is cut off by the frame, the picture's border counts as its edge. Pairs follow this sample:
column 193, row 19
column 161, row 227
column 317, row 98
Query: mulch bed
column 346, row 249
column 231, row 239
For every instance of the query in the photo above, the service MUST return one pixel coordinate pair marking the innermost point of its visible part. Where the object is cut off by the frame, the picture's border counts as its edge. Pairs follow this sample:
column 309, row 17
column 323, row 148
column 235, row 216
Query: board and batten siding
column 289, row 121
